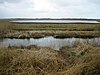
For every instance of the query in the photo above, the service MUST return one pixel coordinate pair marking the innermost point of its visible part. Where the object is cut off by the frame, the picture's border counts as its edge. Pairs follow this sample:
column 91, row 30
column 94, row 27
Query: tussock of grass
column 86, row 60
column 45, row 61
column 28, row 62
column 87, row 65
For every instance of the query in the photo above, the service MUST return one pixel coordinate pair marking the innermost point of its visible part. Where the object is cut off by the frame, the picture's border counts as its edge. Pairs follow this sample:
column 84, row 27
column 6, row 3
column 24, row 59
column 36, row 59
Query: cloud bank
column 50, row 8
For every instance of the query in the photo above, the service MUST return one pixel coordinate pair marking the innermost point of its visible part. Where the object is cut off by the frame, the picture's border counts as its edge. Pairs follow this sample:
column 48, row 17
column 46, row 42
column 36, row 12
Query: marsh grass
column 4, row 27
column 87, row 65
column 70, row 27
column 82, row 59
column 56, row 34
column 28, row 62
column 17, row 30
column 85, row 61
column 45, row 61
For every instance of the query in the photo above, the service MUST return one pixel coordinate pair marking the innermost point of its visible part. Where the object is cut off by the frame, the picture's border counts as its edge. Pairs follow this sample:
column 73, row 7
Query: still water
column 55, row 21
column 50, row 42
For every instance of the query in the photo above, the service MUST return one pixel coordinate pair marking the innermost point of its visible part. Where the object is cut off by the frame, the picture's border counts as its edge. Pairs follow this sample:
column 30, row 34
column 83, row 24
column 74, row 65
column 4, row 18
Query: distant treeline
column 47, row 19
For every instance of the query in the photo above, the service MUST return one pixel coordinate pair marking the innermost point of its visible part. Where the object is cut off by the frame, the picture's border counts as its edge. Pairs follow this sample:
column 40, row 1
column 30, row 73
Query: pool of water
column 54, row 21
column 50, row 42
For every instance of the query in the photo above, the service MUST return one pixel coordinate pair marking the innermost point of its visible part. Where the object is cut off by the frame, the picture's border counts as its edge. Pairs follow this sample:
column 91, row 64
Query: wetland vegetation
column 25, row 30
column 33, row 60
column 81, row 59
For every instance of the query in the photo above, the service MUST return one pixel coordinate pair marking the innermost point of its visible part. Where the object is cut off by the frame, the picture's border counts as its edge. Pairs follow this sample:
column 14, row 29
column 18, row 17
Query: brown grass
column 86, row 62
column 27, row 62
column 4, row 27
column 57, row 34
column 88, row 65
column 70, row 27
column 80, row 60
column 56, row 30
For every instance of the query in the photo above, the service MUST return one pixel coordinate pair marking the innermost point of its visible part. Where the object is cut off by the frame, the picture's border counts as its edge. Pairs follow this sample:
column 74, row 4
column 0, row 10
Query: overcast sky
column 50, row 8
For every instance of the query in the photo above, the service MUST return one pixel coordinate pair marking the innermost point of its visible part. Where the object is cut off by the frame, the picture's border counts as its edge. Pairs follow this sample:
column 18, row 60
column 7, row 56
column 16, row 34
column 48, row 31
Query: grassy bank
column 17, row 30
column 47, row 26
column 80, row 60
column 56, row 34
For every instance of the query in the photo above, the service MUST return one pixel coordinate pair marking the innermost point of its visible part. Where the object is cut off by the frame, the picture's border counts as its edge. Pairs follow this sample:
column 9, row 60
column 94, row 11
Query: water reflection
column 49, row 42
column 55, row 21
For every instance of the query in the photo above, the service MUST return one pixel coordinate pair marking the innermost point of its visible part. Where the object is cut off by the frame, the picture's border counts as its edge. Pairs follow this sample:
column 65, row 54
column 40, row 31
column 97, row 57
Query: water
column 55, row 21
column 50, row 42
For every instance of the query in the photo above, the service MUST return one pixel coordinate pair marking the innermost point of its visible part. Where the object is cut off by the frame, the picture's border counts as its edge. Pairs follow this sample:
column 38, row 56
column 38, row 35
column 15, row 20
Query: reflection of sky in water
column 56, row 21
column 48, row 42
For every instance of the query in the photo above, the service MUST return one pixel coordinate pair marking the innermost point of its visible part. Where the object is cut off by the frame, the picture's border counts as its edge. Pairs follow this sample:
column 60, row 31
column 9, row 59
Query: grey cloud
column 66, row 8
column 68, row 2
column 10, row 1
column 60, row 2
column 95, row 1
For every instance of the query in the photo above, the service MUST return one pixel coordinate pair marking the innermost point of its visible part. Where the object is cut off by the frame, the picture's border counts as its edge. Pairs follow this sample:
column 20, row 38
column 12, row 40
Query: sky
column 50, row 9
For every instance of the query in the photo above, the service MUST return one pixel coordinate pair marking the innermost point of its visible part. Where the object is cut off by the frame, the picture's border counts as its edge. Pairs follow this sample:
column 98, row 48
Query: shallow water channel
column 51, row 42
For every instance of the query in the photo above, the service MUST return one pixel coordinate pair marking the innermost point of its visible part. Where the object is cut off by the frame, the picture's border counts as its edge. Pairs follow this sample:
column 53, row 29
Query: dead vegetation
column 30, row 62
column 80, row 60
column 86, row 60
column 56, row 34
column 14, row 30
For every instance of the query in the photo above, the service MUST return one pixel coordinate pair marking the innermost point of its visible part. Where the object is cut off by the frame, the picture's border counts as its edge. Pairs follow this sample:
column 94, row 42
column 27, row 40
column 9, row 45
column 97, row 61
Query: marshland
column 31, row 47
